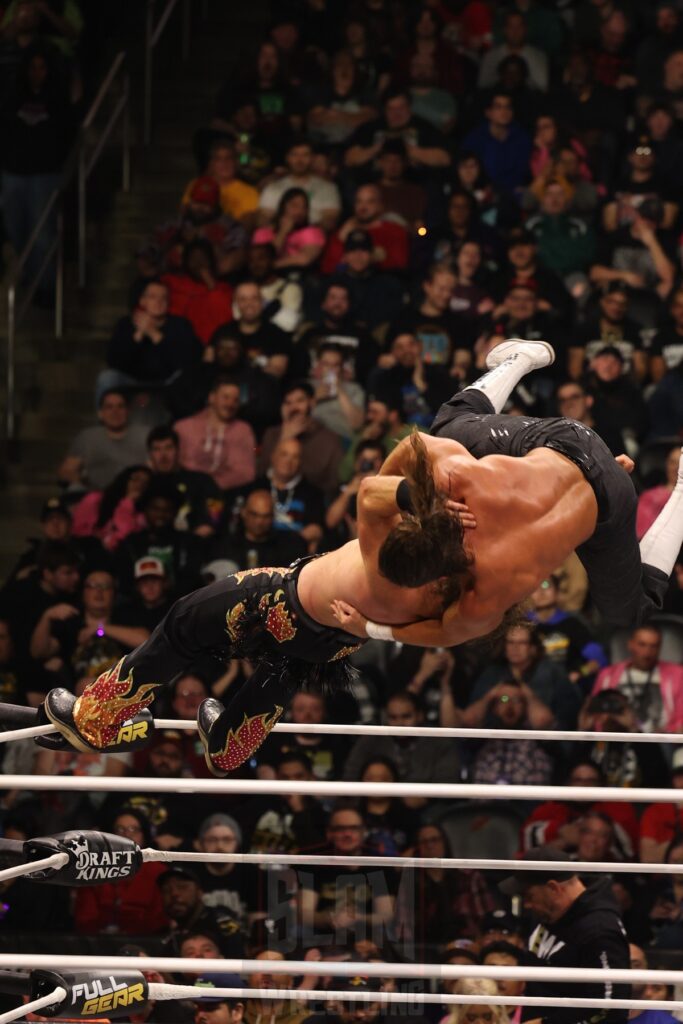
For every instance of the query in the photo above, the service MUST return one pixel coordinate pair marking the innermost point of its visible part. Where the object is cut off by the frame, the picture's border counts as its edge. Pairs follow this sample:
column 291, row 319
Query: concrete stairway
column 55, row 379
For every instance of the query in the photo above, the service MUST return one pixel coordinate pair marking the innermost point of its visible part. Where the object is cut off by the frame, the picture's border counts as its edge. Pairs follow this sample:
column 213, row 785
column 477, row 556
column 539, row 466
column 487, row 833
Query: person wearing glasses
column 78, row 643
column 574, row 401
column 355, row 903
column 566, row 638
column 523, row 659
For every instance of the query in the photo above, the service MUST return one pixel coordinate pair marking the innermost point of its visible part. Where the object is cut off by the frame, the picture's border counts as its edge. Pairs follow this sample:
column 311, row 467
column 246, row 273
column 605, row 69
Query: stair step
column 55, row 378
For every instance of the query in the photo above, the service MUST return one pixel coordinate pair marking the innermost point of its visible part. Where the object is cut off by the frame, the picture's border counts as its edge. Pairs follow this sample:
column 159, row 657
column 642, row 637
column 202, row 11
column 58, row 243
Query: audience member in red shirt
column 196, row 293
column 661, row 822
column 556, row 823
column 132, row 906
column 390, row 239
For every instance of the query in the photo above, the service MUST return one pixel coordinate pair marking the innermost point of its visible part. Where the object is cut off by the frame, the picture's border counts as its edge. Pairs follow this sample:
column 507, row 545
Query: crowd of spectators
column 387, row 190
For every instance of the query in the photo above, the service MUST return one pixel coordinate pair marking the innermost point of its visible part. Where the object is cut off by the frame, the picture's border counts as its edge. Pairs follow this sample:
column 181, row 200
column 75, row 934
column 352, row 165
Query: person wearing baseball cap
column 358, row 239
column 204, row 193
column 182, row 896
column 523, row 265
column 579, row 926
column 150, row 600
column 217, row 1009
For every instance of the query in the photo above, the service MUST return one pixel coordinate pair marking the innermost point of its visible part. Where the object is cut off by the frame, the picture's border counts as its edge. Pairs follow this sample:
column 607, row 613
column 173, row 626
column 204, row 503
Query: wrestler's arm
column 438, row 448
column 448, row 631
column 377, row 497
column 377, row 502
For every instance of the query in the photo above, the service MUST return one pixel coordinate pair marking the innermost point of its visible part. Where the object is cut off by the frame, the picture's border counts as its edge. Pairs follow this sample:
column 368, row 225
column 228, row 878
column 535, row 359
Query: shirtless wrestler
column 283, row 620
column 539, row 489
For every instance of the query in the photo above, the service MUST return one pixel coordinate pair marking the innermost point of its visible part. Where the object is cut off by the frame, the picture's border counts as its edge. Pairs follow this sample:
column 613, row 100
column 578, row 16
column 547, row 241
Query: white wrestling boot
column 540, row 353
column 507, row 363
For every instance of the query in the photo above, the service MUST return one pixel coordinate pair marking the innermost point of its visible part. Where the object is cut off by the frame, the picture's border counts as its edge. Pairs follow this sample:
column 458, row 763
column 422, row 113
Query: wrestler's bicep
column 460, row 625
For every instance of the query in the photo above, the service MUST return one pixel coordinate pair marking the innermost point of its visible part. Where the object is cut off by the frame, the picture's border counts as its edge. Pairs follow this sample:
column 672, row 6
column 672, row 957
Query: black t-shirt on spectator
column 23, row 603
column 624, row 335
column 417, row 132
column 375, row 296
column 395, row 384
column 147, row 360
column 199, row 497
column 438, row 334
column 352, row 889
column 17, row 677
column 618, row 405
column 268, row 340
column 135, row 613
column 566, row 640
column 182, row 554
column 37, row 133
column 220, row 923
column 232, row 892
column 357, row 344
column 668, row 344
column 279, row 548
column 549, row 286
column 326, row 756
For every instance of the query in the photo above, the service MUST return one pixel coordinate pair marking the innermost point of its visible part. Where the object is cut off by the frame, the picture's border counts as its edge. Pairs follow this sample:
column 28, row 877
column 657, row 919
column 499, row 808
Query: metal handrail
column 86, row 163
column 76, row 159
column 153, row 34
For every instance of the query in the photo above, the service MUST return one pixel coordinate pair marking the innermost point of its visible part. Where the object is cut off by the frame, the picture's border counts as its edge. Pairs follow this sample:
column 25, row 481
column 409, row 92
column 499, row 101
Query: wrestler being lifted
column 410, row 576
column 284, row 621
column 539, row 489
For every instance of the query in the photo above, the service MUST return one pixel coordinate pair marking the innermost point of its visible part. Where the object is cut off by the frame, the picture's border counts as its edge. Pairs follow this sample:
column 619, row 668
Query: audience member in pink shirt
column 296, row 242
column 112, row 514
column 652, row 501
column 216, row 442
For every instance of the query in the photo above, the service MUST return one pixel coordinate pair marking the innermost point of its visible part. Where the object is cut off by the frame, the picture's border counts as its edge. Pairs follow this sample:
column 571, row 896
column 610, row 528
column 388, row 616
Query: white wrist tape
column 377, row 632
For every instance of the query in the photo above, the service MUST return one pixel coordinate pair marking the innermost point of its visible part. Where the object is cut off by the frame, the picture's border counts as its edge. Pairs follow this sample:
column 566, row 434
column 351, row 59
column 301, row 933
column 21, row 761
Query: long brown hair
column 427, row 545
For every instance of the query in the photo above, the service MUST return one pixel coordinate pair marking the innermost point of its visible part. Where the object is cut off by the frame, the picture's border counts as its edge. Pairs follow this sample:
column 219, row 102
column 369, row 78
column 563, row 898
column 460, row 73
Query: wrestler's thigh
column 201, row 619
column 462, row 408
column 611, row 557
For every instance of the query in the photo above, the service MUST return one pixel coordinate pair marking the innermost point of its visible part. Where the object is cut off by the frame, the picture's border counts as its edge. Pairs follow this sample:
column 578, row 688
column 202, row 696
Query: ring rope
column 440, row 999
column 442, row 972
column 55, row 861
column 281, row 787
column 161, row 992
column 150, row 856
column 460, row 863
column 18, row 1012
column 414, row 731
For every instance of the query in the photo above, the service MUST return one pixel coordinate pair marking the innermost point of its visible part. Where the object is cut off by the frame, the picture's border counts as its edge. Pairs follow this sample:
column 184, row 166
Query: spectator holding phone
column 340, row 401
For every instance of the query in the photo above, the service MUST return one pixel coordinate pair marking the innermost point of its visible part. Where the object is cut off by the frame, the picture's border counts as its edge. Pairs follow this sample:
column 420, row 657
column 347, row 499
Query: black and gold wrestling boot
column 226, row 747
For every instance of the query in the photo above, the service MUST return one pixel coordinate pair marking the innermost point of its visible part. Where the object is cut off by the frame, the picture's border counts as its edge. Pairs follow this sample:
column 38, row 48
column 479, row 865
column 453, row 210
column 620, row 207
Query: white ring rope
column 281, row 787
column 55, row 861
column 164, row 992
column 18, row 1012
column 415, row 731
column 277, row 860
column 414, row 972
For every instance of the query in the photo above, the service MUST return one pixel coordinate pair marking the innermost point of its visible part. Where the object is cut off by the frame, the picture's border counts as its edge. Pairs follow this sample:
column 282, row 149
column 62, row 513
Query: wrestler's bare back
column 531, row 513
